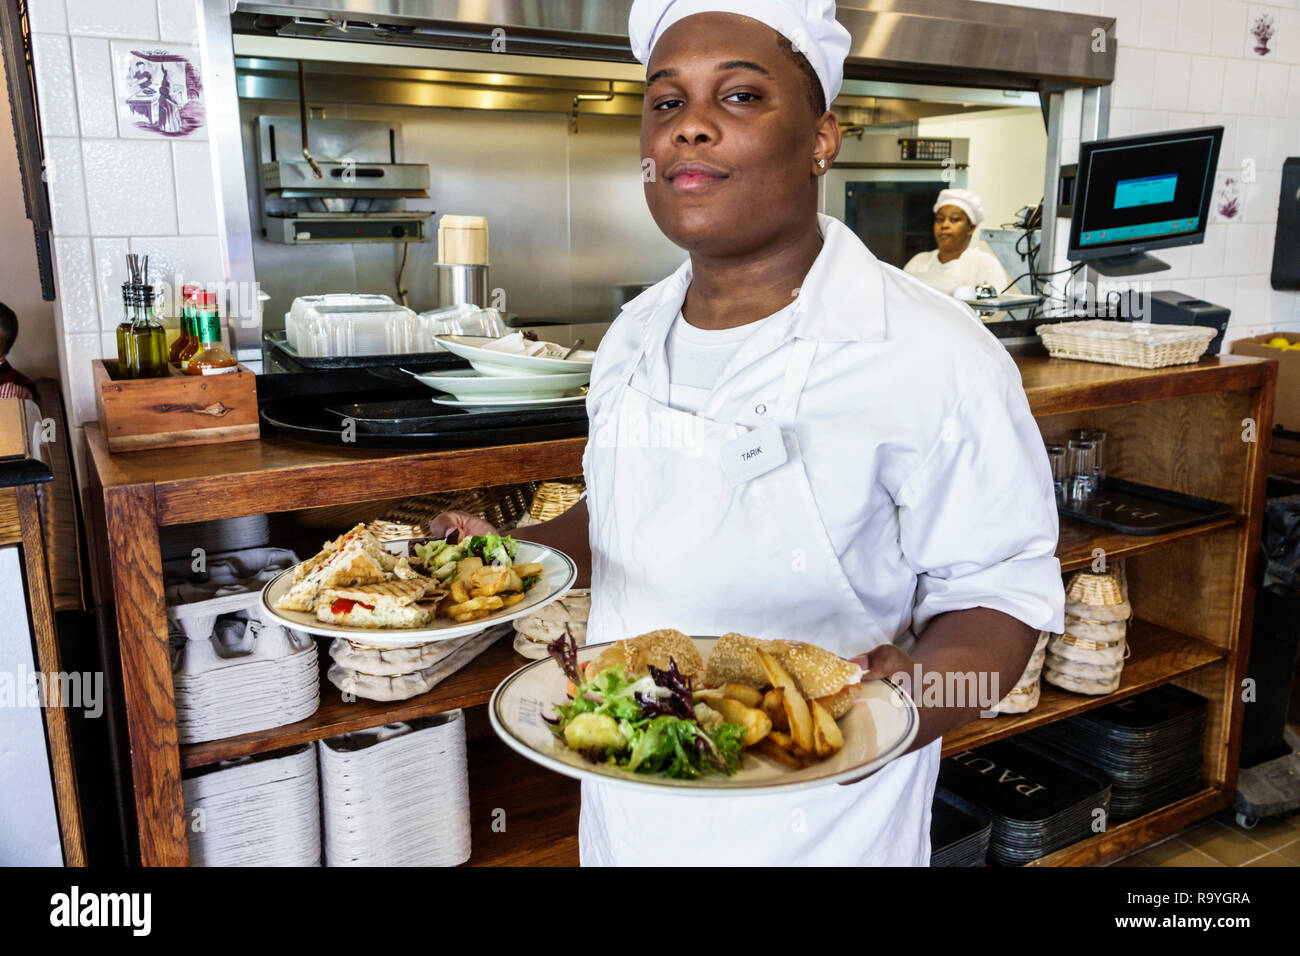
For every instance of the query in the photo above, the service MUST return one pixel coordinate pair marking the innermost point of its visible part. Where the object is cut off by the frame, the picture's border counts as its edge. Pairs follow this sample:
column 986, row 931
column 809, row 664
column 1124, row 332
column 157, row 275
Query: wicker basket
column 554, row 498
column 1137, row 344
column 499, row 505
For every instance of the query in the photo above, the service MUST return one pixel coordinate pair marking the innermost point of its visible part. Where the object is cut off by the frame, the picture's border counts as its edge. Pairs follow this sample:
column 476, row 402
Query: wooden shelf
column 1078, row 539
column 1159, row 656
column 1125, row 837
column 468, row 687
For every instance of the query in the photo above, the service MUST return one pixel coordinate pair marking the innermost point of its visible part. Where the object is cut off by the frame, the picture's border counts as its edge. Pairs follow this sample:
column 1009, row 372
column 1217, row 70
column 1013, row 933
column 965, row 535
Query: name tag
column 753, row 453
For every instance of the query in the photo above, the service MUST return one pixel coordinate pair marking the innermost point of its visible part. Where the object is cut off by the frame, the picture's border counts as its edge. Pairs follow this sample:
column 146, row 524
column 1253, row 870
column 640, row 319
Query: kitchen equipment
column 1173, row 308
column 1082, row 482
column 879, row 727
column 461, row 284
column 345, row 186
column 463, row 240
column 558, row 574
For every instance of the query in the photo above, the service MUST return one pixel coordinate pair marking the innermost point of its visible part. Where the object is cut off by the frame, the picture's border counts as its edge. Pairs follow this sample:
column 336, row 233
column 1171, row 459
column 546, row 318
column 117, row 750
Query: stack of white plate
column 507, row 379
column 255, row 811
column 247, row 676
column 397, row 795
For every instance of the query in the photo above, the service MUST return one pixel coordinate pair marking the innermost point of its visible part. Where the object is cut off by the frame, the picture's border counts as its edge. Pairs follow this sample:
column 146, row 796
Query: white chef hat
column 965, row 200
column 809, row 25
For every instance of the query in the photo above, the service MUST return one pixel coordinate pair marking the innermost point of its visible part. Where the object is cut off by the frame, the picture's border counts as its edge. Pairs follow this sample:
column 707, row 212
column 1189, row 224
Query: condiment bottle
column 187, row 317
column 141, row 338
column 209, row 358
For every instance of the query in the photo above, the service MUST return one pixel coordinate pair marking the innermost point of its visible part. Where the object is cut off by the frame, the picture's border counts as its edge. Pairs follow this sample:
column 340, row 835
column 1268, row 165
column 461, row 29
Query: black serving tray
column 422, row 361
column 1133, row 508
column 400, row 421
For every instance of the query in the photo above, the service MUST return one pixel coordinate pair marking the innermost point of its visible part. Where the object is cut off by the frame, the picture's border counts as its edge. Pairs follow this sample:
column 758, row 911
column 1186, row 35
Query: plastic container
column 367, row 325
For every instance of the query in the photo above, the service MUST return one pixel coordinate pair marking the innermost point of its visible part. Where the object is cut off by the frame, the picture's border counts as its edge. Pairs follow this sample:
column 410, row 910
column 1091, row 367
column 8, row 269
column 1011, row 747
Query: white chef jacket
column 928, row 468
column 925, row 466
column 971, row 268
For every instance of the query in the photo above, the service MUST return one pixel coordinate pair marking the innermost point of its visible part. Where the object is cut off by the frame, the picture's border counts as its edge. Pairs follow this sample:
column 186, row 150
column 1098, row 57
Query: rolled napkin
column 517, row 344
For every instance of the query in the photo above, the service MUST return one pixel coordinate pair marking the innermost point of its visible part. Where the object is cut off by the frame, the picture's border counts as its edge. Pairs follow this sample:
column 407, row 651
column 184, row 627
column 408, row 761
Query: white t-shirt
column 697, row 358
column 972, row 267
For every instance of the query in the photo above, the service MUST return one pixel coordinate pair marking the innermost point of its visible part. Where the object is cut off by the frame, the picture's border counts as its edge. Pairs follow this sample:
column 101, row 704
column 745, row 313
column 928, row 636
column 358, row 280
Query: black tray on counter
column 403, row 420
column 1133, row 508
column 422, row 361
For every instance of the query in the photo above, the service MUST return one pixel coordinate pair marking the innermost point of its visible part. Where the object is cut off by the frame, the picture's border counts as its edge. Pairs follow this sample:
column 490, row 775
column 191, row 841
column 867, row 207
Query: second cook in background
column 954, row 264
column 863, row 466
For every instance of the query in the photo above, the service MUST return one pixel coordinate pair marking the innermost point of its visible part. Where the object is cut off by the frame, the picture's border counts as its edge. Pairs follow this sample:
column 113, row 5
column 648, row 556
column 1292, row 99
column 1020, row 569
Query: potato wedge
column 527, row 570
column 511, row 599
column 756, row 723
column 796, row 708
column 826, row 733
column 746, row 695
column 782, row 740
column 487, row 581
column 769, row 748
column 458, row 593
column 473, row 605
column 774, row 707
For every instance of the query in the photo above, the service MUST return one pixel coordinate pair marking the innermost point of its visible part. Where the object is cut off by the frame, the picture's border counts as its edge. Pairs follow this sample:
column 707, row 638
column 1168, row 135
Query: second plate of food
column 556, row 578
column 469, row 385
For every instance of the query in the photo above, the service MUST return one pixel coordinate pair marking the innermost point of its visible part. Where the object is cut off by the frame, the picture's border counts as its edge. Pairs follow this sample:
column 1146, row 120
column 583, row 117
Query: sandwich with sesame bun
column 820, row 675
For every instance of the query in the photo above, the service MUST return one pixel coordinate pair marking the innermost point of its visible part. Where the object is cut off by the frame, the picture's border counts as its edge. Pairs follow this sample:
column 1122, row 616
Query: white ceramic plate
column 558, row 575
column 508, row 402
column 491, row 362
column 470, row 384
column 880, row 726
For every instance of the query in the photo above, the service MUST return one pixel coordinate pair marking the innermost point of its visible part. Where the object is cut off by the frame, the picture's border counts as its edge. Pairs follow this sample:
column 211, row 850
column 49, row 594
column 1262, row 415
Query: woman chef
column 791, row 440
column 954, row 264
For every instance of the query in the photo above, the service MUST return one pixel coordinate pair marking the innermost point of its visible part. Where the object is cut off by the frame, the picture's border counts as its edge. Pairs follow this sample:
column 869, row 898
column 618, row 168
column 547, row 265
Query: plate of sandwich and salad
column 702, row 716
column 411, row 591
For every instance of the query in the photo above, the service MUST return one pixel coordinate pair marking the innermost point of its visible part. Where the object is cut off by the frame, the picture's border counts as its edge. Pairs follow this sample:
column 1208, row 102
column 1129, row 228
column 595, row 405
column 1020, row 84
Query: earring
column 821, row 163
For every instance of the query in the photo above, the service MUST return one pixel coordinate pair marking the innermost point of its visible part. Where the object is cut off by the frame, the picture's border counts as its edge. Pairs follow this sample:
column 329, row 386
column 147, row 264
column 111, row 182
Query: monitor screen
column 1143, row 192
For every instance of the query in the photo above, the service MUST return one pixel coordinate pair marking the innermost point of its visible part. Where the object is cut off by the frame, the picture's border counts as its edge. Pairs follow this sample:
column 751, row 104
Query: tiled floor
column 1218, row 841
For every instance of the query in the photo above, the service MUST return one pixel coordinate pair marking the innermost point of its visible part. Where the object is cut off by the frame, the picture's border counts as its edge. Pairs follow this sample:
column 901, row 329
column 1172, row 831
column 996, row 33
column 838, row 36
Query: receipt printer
column 1173, row 308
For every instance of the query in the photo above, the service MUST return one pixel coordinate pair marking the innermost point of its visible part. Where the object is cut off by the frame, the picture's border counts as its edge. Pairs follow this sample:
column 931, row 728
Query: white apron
column 676, row 544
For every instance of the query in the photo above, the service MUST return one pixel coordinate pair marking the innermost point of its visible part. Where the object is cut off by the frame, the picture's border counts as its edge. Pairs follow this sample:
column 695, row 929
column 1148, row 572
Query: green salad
column 645, row 724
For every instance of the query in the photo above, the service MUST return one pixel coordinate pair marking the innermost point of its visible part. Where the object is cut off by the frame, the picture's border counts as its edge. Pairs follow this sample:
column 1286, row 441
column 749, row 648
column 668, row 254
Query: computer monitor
column 1138, row 193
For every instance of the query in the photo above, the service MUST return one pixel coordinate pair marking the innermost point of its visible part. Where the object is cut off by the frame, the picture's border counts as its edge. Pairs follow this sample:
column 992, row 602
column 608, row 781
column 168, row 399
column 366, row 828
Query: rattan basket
column 1137, row 344
column 554, row 498
column 499, row 505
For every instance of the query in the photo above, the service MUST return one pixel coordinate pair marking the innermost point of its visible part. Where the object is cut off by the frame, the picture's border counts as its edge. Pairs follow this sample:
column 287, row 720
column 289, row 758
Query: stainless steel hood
column 953, row 42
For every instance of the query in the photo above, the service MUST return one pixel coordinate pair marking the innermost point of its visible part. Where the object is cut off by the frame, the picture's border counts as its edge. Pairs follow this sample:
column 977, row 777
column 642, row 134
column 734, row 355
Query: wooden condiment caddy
column 177, row 410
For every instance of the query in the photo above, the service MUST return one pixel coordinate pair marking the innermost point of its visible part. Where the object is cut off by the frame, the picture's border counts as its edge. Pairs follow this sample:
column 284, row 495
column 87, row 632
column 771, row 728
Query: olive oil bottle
column 141, row 338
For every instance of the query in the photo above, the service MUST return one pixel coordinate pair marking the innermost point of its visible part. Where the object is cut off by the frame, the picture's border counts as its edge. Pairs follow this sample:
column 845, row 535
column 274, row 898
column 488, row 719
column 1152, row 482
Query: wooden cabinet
column 1187, row 428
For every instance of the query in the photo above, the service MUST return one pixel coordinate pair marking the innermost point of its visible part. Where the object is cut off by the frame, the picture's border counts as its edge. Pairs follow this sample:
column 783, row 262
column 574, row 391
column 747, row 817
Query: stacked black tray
column 1148, row 745
column 959, row 831
column 1039, row 800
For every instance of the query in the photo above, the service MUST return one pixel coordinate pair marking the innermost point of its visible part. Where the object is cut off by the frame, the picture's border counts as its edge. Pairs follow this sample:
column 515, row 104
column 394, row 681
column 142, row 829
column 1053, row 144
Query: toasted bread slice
column 347, row 567
column 386, row 615
column 818, row 672
column 636, row 654
column 393, row 593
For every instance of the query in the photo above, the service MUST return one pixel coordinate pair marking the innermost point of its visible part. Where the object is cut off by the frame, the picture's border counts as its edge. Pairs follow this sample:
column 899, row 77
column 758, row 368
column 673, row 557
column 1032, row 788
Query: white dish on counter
column 880, row 726
column 558, row 574
column 509, row 402
column 493, row 362
column 470, row 384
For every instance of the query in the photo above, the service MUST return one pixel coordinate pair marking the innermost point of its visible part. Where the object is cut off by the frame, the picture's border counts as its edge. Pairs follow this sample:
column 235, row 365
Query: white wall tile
column 1252, row 298
column 1205, row 83
column 1229, row 124
column 1172, row 74
column 129, row 187
column 47, row 16
column 1159, row 25
column 1283, row 141
column 1239, row 78
column 1184, row 120
column 1121, row 122
column 1180, row 263
column 1150, row 121
column 1195, row 25
column 196, row 204
column 1271, row 89
column 110, row 273
column 1293, row 91
column 1088, row 7
column 1251, row 144
column 134, row 19
column 55, row 90
column 1288, row 30
column 1134, row 78
column 1228, row 38
column 1207, row 258
column 175, row 260
column 1261, row 197
column 1264, row 245
column 81, row 349
column 178, row 21
column 65, row 182
column 94, row 87
column 1239, row 249
column 1222, row 290
column 75, row 281
column 1281, row 306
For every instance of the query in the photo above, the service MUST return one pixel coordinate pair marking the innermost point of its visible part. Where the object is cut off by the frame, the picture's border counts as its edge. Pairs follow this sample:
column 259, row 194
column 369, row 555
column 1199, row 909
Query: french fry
column 474, row 604
column 782, row 740
column 770, row 748
column 469, row 616
column 458, row 593
column 465, row 567
column 487, row 581
column 756, row 723
column 527, row 570
column 796, row 708
column 774, row 707
column 509, row 600
column 746, row 695
column 826, row 733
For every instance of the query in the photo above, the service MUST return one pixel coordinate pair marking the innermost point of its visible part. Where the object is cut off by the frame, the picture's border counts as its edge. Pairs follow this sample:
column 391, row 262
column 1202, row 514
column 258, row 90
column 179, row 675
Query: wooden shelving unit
column 1192, row 591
